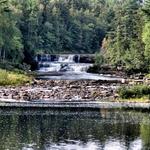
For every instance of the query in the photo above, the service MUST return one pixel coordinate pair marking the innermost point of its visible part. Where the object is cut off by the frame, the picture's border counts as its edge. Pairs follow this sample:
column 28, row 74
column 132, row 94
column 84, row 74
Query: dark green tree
column 146, row 32
column 10, row 36
column 28, row 24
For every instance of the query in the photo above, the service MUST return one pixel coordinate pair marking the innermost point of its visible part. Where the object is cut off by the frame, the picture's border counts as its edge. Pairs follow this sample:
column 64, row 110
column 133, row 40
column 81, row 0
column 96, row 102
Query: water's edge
column 78, row 104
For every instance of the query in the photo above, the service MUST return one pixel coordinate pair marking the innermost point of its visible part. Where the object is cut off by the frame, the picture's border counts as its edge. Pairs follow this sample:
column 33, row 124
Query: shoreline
column 75, row 104
column 85, row 94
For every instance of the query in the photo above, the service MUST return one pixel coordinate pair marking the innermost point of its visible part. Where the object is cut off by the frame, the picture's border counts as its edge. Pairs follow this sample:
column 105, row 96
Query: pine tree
column 146, row 31
column 123, row 41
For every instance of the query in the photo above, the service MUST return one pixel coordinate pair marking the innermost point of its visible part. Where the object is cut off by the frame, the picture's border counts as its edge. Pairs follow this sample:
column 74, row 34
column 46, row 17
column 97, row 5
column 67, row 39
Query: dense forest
column 118, row 29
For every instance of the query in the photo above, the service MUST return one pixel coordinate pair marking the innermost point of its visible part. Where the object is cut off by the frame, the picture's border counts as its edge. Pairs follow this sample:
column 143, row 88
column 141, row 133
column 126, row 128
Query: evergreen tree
column 127, row 39
column 146, row 32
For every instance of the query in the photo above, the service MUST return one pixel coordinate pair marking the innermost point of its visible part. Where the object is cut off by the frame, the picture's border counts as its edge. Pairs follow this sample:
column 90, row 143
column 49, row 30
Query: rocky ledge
column 61, row 90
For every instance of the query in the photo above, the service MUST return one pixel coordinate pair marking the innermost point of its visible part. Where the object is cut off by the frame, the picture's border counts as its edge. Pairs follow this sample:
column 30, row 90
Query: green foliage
column 147, row 76
column 146, row 40
column 134, row 92
column 124, row 43
column 134, row 58
column 14, row 66
column 146, row 32
column 146, row 10
column 10, row 36
column 145, row 132
column 99, row 59
column 13, row 78
column 28, row 27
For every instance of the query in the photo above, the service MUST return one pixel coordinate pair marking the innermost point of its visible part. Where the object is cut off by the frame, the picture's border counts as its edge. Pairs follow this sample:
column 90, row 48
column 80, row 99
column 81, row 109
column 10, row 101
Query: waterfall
column 61, row 63
column 67, row 67
column 67, row 59
column 80, row 67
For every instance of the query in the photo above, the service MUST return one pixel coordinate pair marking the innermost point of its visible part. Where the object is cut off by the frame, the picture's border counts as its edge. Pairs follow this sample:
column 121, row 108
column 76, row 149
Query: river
column 74, row 130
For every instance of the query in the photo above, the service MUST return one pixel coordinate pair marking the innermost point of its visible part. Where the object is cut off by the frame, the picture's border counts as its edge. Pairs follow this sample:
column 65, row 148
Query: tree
column 146, row 32
column 10, row 36
column 28, row 26
column 125, row 46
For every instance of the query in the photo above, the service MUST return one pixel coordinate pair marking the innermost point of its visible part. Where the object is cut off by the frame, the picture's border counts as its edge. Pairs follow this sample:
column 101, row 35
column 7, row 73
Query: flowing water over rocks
column 67, row 67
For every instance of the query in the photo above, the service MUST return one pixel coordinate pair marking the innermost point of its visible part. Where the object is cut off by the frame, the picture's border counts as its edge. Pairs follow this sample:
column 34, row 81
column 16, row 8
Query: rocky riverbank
column 55, row 90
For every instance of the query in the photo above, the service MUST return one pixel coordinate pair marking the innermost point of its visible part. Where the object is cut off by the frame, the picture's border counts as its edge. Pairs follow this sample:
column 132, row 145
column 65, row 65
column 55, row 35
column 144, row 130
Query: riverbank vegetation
column 13, row 78
column 137, row 92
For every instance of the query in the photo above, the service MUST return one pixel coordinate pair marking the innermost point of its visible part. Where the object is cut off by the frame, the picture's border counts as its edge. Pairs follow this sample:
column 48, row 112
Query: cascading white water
column 80, row 67
column 67, row 59
column 66, row 67
column 65, row 63
column 50, row 67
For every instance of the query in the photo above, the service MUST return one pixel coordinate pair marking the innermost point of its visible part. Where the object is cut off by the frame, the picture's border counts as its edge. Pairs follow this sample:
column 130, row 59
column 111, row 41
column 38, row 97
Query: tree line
column 119, row 29
column 128, row 43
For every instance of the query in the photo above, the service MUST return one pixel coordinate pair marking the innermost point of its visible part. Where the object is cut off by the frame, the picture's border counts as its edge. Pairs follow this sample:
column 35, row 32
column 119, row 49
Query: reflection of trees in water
column 145, row 132
column 46, row 129
column 8, row 132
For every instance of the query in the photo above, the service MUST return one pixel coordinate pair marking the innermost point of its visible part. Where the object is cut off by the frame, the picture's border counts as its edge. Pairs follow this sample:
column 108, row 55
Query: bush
column 6, row 65
column 147, row 76
column 99, row 60
column 134, row 92
column 13, row 78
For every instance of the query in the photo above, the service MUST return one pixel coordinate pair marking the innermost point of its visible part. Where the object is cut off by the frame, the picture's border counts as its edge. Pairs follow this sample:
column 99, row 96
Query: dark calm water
column 71, row 130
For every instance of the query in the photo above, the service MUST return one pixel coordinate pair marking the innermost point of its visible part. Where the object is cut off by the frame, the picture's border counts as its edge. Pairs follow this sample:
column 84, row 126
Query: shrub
column 148, row 76
column 6, row 65
column 13, row 78
column 3, row 77
column 138, row 91
column 99, row 60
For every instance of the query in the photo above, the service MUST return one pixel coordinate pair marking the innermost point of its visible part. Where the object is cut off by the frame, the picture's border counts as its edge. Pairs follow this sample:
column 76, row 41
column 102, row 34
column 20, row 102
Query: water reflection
column 65, row 130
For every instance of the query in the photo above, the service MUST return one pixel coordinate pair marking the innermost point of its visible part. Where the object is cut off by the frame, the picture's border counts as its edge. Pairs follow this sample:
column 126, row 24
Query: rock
column 75, row 86
column 57, row 90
